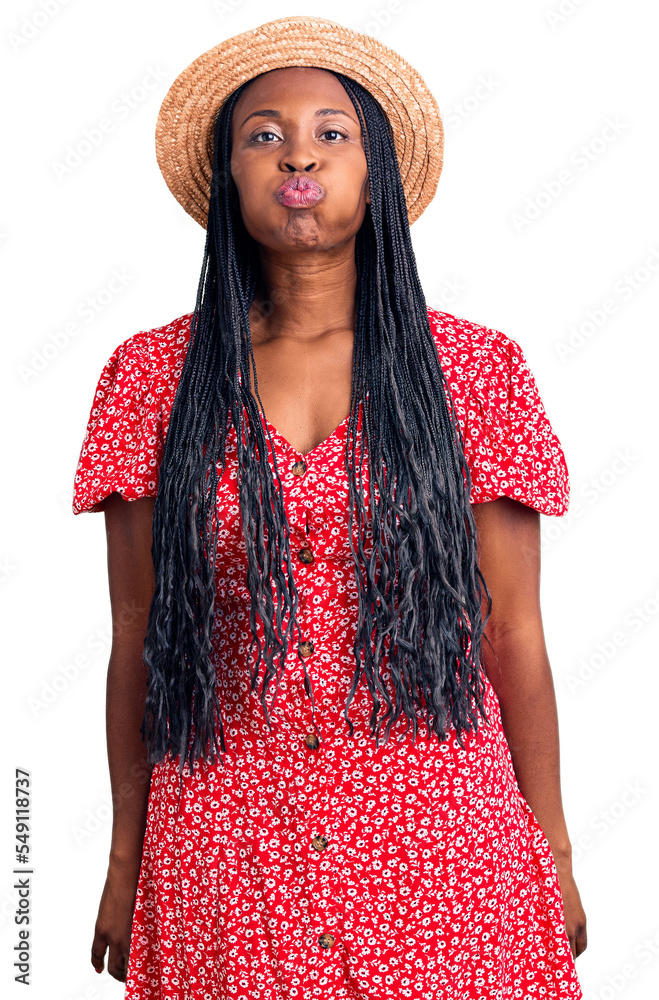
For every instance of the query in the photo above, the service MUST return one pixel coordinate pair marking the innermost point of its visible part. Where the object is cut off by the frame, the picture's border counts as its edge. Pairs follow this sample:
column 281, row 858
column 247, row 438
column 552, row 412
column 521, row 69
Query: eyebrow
column 272, row 113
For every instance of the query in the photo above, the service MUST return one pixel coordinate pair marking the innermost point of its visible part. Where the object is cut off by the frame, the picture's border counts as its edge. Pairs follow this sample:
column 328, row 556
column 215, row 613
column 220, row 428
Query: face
column 299, row 123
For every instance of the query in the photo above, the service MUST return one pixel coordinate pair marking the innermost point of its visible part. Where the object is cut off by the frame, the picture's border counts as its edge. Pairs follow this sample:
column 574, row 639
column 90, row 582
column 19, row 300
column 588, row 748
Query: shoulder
column 510, row 444
column 468, row 350
column 129, row 416
column 475, row 358
column 152, row 359
column 481, row 364
column 161, row 348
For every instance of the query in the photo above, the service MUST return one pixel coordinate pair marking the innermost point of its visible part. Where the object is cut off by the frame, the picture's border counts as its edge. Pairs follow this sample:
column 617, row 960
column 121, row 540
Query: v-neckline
column 304, row 454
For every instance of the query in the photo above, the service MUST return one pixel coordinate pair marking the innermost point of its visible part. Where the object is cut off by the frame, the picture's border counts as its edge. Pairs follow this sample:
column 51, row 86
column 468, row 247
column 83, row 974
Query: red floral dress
column 310, row 864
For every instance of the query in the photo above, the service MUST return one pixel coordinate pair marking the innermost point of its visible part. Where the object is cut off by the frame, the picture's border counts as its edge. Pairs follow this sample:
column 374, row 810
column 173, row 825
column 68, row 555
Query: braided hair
column 419, row 585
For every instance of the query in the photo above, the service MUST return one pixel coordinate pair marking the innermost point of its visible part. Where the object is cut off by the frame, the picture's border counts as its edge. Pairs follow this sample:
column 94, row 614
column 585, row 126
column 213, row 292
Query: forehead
column 293, row 82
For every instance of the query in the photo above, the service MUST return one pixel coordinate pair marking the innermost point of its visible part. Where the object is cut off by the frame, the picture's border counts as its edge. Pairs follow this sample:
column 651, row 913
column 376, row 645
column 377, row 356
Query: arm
column 131, row 581
column 518, row 668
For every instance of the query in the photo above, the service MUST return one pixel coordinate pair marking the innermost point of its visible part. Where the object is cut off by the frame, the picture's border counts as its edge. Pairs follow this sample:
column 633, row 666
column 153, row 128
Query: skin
column 508, row 538
column 131, row 577
column 303, row 316
column 302, row 322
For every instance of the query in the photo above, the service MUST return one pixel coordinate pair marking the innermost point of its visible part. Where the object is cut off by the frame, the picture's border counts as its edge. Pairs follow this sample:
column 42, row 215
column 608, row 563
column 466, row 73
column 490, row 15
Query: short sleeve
column 123, row 442
column 511, row 447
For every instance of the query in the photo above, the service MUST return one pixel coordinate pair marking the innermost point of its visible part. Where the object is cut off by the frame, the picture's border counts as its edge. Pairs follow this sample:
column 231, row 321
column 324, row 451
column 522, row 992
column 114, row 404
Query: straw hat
column 184, row 127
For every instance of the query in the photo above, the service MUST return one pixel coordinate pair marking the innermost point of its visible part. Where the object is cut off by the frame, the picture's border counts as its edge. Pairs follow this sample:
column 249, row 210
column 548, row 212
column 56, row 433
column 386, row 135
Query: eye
column 335, row 131
column 254, row 138
column 330, row 131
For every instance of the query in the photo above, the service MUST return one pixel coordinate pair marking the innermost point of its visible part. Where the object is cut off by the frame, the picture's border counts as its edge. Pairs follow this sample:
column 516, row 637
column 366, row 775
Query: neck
column 306, row 295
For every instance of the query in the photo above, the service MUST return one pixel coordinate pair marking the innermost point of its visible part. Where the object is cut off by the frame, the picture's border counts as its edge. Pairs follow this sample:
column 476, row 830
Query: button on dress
column 310, row 863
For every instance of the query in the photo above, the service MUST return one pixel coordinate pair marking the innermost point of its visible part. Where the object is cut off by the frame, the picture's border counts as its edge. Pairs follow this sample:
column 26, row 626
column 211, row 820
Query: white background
column 526, row 90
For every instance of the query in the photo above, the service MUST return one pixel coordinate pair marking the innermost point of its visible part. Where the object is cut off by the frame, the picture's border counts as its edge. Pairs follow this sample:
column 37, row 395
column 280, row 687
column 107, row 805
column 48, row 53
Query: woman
column 350, row 734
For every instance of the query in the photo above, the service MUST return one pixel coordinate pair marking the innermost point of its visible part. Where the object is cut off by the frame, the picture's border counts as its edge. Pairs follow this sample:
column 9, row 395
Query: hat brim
column 185, row 119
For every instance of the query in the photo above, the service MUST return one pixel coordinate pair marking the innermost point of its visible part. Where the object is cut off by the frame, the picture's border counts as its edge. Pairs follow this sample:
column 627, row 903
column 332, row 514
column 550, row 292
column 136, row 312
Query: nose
column 296, row 155
column 288, row 165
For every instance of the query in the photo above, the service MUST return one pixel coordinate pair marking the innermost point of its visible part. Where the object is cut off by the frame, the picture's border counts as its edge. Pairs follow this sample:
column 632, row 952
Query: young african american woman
column 255, row 929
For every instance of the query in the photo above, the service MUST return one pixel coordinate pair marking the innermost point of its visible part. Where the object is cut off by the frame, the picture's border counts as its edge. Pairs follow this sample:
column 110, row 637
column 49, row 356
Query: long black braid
column 415, row 560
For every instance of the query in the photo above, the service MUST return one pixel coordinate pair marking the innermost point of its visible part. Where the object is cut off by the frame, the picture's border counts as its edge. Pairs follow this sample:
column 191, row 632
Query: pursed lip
column 299, row 191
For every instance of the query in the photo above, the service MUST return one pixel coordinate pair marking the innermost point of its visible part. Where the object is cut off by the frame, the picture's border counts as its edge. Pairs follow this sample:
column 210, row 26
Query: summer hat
column 185, row 120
